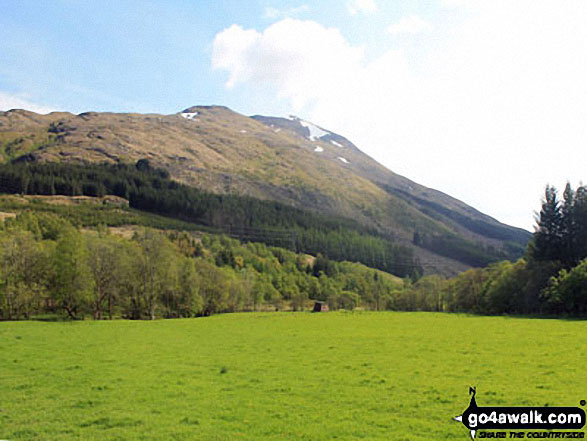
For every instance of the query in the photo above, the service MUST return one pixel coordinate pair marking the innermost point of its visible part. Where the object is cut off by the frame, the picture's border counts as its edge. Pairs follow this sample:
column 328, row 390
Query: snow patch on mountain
column 343, row 159
column 315, row 131
column 318, row 149
column 335, row 143
column 189, row 115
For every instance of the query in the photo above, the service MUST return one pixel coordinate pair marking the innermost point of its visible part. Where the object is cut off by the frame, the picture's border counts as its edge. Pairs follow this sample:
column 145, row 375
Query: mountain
column 288, row 160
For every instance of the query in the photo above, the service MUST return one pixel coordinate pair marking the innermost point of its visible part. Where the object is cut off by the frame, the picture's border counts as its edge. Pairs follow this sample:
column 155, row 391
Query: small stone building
column 320, row 306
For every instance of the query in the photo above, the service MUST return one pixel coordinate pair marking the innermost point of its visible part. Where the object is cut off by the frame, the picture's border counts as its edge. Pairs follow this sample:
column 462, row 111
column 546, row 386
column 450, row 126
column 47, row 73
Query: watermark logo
column 476, row 417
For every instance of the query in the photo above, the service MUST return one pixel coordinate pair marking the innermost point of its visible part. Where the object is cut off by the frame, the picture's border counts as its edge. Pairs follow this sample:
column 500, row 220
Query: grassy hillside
column 220, row 151
column 345, row 376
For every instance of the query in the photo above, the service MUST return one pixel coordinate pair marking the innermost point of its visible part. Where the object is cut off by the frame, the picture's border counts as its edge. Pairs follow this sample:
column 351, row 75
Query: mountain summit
column 288, row 160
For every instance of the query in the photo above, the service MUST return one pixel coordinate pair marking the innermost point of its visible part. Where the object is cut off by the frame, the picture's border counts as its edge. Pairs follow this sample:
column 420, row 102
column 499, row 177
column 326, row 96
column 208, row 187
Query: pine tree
column 568, row 230
column 548, row 243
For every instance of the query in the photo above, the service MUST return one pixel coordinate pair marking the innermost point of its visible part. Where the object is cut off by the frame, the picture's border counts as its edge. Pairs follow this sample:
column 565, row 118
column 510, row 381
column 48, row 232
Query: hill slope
column 287, row 160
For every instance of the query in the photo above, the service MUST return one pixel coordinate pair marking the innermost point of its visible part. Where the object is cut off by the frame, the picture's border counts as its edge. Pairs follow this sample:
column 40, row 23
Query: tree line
column 150, row 189
column 550, row 279
column 50, row 268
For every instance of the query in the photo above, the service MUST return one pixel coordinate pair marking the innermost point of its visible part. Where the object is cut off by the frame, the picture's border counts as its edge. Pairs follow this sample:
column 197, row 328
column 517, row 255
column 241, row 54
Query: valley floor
column 280, row 376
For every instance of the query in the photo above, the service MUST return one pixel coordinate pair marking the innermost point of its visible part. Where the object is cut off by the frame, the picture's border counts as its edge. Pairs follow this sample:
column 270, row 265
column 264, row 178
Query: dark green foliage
column 323, row 265
column 455, row 247
column 552, row 280
column 567, row 292
column 150, row 189
column 48, row 265
column 561, row 233
column 547, row 243
column 175, row 274
column 225, row 257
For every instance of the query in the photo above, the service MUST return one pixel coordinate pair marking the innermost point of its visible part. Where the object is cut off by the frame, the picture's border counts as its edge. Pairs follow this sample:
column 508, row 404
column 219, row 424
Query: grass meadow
column 280, row 376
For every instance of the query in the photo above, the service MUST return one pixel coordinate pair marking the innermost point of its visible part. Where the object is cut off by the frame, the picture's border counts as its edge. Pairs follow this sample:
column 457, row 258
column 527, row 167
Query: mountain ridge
column 287, row 160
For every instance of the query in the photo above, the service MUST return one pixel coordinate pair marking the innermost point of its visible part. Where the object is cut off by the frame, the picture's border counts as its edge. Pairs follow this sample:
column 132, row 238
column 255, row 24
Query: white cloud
column 300, row 59
column 273, row 13
column 11, row 101
column 364, row 6
column 489, row 115
column 409, row 25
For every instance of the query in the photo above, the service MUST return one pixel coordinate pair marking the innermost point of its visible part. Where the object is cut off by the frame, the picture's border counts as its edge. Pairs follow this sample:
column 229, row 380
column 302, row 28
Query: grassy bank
column 280, row 376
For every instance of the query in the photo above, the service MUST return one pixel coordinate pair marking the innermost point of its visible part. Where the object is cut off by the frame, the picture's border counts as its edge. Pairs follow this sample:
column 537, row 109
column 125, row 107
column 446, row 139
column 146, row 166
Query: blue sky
column 111, row 55
column 484, row 100
column 145, row 56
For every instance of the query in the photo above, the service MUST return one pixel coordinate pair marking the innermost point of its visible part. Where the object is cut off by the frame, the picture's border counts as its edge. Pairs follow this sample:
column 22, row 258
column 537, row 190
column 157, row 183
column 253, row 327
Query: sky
column 483, row 100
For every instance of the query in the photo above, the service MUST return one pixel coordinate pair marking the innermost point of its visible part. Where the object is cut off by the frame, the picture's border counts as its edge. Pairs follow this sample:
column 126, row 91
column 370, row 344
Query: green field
column 280, row 376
